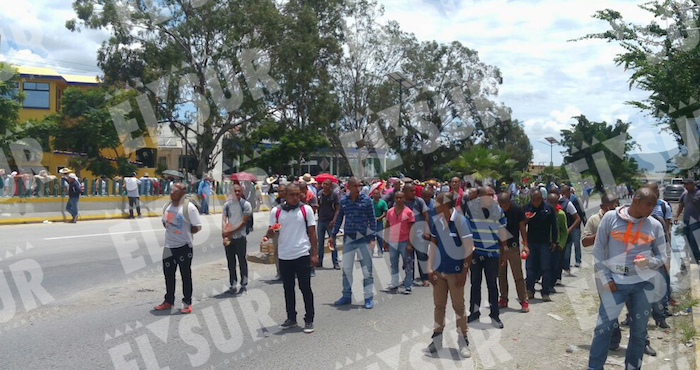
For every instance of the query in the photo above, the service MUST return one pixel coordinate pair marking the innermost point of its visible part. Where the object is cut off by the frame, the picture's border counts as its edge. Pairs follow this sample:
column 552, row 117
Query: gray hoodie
column 616, row 232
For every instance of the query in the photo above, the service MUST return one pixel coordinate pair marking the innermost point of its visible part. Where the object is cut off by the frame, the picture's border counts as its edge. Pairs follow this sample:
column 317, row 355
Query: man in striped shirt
column 488, row 224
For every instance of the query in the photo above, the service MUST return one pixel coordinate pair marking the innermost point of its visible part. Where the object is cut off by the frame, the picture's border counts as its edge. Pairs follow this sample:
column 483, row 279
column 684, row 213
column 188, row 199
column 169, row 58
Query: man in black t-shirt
column 515, row 226
column 328, row 207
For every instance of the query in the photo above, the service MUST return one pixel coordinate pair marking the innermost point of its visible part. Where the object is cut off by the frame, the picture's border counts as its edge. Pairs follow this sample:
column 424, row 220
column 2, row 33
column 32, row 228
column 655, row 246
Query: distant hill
column 655, row 162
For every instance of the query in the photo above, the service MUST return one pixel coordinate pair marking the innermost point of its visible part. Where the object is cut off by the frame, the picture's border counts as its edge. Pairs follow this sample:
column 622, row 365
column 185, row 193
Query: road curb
column 695, row 293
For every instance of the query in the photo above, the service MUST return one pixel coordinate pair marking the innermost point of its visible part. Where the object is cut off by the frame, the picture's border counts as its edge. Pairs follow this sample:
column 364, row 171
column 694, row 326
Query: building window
column 36, row 95
column 147, row 157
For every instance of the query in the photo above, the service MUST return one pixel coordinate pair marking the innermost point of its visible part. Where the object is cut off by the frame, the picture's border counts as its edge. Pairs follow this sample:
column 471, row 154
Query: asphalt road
column 80, row 297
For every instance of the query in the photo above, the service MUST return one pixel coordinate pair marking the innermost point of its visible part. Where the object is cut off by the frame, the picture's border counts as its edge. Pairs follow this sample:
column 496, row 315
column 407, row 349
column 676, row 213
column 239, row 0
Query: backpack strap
column 303, row 212
column 186, row 210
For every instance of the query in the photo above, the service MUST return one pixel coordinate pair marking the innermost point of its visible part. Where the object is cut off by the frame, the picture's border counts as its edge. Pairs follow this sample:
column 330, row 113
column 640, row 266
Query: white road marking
column 104, row 234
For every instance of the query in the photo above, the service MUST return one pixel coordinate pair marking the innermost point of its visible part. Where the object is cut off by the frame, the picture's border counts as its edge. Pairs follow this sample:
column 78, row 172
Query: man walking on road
column 488, row 224
column 449, row 258
column 420, row 232
column 380, row 210
column 574, row 230
column 690, row 203
column 297, row 254
column 132, row 184
column 328, row 208
column 181, row 222
column 629, row 247
column 204, row 192
column 397, row 237
column 235, row 216
column 360, row 228
column 73, row 197
column 541, row 236
column 515, row 226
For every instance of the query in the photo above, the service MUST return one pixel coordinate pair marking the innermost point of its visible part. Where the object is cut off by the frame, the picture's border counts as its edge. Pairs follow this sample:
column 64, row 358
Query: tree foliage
column 585, row 140
column 190, row 59
column 10, row 101
column 664, row 56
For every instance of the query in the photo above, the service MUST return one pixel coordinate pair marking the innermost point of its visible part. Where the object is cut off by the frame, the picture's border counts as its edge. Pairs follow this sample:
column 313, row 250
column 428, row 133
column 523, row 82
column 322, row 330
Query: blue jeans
column 689, row 231
column 575, row 239
column 611, row 305
column 539, row 263
column 380, row 239
column 350, row 249
column 323, row 228
column 72, row 206
column 396, row 249
column 555, row 265
column 204, row 208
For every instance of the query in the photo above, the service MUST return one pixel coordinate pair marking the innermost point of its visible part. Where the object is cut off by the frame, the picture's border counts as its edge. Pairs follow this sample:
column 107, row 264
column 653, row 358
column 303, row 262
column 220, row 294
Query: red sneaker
column 186, row 308
column 502, row 303
column 525, row 307
column 163, row 306
column 672, row 302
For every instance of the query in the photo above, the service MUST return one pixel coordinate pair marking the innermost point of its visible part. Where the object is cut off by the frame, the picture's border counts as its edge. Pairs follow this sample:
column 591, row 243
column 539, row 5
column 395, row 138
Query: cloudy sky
column 547, row 79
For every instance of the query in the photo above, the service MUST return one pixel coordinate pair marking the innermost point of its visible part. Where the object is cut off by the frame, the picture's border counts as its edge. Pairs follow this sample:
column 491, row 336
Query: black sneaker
column 232, row 290
column 309, row 328
column 662, row 324
column 313, row 273
column 649, row 351
column 288, row 324
column 497, row 322
column 336, row 266
column 473, row 317
column 243, row 291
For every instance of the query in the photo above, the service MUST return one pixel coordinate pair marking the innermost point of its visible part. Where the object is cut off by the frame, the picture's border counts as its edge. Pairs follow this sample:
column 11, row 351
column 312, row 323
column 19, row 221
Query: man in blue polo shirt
column 488, row 223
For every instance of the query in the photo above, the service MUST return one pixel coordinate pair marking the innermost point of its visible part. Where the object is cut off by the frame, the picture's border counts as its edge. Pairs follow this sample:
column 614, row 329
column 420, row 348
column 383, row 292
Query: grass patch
column 687, row 330
column 688, row 303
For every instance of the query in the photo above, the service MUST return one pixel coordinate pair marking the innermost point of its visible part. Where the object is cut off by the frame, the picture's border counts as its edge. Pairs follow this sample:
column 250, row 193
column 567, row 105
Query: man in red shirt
column 397, row 235
column 457, row 190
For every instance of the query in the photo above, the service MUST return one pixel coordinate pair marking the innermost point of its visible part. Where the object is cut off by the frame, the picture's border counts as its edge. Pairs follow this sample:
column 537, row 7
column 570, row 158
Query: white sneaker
column 464, row 352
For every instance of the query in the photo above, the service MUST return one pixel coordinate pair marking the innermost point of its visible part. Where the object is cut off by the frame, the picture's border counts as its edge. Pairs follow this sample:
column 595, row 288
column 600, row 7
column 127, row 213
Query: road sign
column 324, row 164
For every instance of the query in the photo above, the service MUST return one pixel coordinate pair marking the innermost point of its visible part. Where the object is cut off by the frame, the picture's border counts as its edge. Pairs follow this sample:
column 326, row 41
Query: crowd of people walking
column 436, row 234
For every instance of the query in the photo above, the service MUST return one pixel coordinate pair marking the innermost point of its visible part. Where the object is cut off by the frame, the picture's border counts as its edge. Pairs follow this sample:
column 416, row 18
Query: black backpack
column 249, row 225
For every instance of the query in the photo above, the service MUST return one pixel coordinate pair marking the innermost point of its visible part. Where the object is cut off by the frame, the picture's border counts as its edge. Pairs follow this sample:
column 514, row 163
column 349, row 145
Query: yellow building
column 43, row 89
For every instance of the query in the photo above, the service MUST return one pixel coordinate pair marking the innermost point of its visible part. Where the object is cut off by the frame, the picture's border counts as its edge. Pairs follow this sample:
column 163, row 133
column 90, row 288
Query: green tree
column 190, row 59
column 452, row 106
column 85, row 126
column 587, row 139
column 10, row 101
column 481, row 163
column 664, row 56
column 509, row 136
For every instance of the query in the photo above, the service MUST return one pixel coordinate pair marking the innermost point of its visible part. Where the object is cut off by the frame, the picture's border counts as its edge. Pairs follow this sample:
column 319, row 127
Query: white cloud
column 547, row 79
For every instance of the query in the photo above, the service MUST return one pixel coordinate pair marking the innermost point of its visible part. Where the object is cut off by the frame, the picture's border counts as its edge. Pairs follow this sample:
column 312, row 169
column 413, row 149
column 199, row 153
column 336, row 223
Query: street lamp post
column 551, row 141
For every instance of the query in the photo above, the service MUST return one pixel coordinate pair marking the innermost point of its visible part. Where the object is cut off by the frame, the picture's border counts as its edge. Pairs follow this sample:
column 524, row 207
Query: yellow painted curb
column 51, row 199
column 59, row 218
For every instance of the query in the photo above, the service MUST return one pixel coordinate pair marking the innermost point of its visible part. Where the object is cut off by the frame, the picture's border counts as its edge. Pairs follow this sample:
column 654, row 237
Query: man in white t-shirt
column 180, row 224
column 235, row 216
column 298, row 253
column 131, row 184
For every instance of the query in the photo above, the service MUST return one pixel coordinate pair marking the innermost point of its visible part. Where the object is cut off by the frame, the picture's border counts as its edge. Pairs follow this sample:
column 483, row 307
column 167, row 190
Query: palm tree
column 483, row 163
